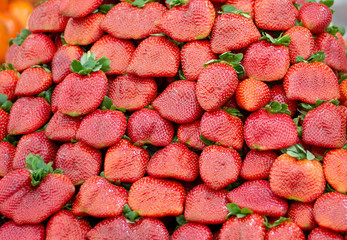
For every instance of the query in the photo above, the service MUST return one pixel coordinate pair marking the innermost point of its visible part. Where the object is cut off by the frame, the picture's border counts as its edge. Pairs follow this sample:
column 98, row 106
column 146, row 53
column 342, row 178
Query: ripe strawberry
column 98, row 197
column 334, row 170
column 324, row 233
column 10, row 52
column 257, row 164
column 302, row 215
column 297, row 175
column 315, row 16
column 174, row 161
column 47, row 18
column 233, row 30
column 125, row 162
column 9, row 79
column 330, row 211
column 286, row 230
column 7, row 151
column 155, row 56
column 147, row 126
column 27, row 115
column 206, row 206
column 78, row 161
column 190, row 135
column 244, row 5
column 192, row 231
column 279, row 95
column 30, row 197
column 131, row 92
column 4, row 118
column 194, row 55
column 12, row 231
column 35, row 143
column 65, row 225
column 78, row 9
column 270, row 128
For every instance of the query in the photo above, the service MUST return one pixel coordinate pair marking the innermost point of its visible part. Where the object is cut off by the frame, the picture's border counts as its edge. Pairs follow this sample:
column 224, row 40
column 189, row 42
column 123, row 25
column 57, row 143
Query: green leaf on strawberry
column 316, row 57
column 235, row 210
column 130, row 214
column 297, row 151
column 89, row 64
column 232, row 9
column 175, row 3
column 277, row 108
column 4, row 103
column 206, row 141
column 24, row 33
column 276, row 223
column 281, row 40
column 231, row 59
column 332, row 29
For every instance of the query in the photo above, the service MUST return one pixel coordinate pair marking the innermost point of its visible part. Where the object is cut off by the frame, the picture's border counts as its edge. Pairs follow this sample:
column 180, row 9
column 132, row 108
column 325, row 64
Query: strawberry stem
column 89, row 64
column 130, row 214
column 235, row 210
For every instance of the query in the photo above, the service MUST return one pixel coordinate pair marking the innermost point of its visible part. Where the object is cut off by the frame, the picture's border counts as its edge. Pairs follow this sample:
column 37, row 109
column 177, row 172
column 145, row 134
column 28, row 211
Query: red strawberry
column 125, row 162
column 192, row 231
column 190, row 135
column 31, row 197
column 187, row 20
column 178, row 102
column 286, row 230
column 12, row 231
column 78, row 161
column 152, row 197
column 330, row 211
column 9, row 79
column 206, row 206
column 315, row 16
column 324, row 233
column 10, row 52
column 219, row 166
column 279, row 95
column 98, row 197
column 302, row 215
column 7, row 151
column 244, row 5
column 4, row 118
column 27, row 115
column 78, row 9
column 147, row 126
column 131, row 21
column 46, row 17
column 334, row 170
column 131, row 92
column 257, row 164
column 155, row 56
column 65, row 225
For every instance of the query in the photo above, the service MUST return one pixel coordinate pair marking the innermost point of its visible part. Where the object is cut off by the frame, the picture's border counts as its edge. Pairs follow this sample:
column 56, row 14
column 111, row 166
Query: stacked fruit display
column 228, row 116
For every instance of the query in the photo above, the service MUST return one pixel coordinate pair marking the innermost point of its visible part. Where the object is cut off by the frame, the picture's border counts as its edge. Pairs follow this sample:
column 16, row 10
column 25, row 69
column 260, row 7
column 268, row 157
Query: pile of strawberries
column 184, row 119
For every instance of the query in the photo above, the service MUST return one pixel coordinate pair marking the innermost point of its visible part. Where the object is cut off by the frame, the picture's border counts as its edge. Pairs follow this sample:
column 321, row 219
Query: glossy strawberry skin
column 334, row 171
column 315, row 16
column 32, row 81
column 324, row 233
column 191, row 231
column 9, row 79
column 10, row 52
column 4, row 118
column 12, row 231
column 287, row 230
column 7, row 151
column 190, row 135
column 77, row 9
column 302, row 215
column 279, row 95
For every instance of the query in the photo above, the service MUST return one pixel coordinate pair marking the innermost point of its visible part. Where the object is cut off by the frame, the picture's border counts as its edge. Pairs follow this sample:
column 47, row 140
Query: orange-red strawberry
column 155, row 56
column 4, row 118
column 192, row 231
column 334, row 169
column 190, row 135
column 206, row 206
column 330, row 211
column 78, row 161
column 65, row 225
column 78, row 9
column 147, row 126
column 98, row 197
column 324, row 233
column 315, row 16
column 219, row 166
column 47, row 18
column 125, row 162
column 7, row 151
column 233, row 30
column 152, row 197
column 10, row 52
column 297, row 175
column 257, row 164
column 285, row 230
column 279, row 95
column 244, row 5
column 27, row 115
column 187, row 20
column 9, row 79
column 302, row 215
column 12, row 231
column 29, row 196
column 174, row 161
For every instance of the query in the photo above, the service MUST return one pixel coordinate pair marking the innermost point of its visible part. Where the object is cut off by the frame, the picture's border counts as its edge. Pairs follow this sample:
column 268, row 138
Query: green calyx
column 89, row 64
column 24, row 33
column 104, row 8
column 5, row 104
column 206, row 141
column 232, row 9
column 308, row 107
column 316, row 57
column 276, row 223
column 175, row 3
column 11, row 139
column 107, row 104
column 130, row 214
column 38, row 168
column 47, row 95
column 297, row 123
column 281, row 40
column 277, row 108
column 297, row 151
column 343, row 77
column 332, row 29
column 231, row 59
column 139, row 3
column 43, row 66
column 235, row 210
column 328, row 3
column 232, row 111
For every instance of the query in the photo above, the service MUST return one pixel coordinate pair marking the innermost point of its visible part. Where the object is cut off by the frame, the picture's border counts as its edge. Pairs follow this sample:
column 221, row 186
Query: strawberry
column 178, row 102
column 33, row 80
column 296, row 175
column 324, row 233
column 82, row 91
column 174, row 161
column 4, row 117
column 78, row 161
column 132, row 20
column 35, row 143
column 9, row 79
column 223, row 127
column 98, row 197
column 244, row 5
column 46, row 17
column 194, row 55
column 330, row 211
column 65, row 225
column 190, row 135
column 147, row 126
column 257, row 164
column 285, row 230
column 232, row 30
column 84, row 31
column 274, row 15
column 62, row 59
column 27, row 115
column 206, row 206
column 131, row 92
column 219, row 166
column 192, row 231
column 279, row 95
column 187, row 20
column 10, row 52
column 12, row 231
column 7, row 151
column 315, row 16
column 78, row 9
column 302, row 215
column 119, row 52
column 29, row 196
column 334, row 170
column 270, row 128
column 125, row 162
column 152, row 197
column 155, row 56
